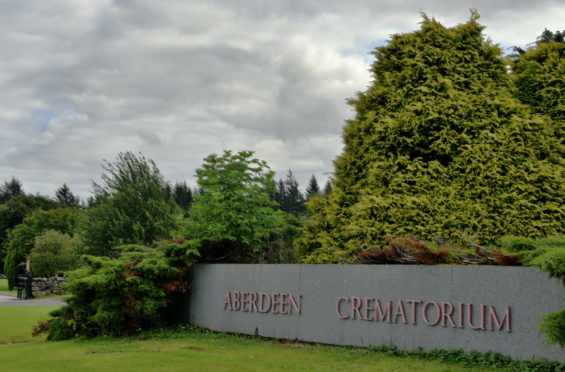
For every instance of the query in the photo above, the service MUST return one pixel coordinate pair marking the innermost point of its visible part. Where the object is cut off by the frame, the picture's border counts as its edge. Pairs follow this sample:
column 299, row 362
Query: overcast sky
column 81, row 80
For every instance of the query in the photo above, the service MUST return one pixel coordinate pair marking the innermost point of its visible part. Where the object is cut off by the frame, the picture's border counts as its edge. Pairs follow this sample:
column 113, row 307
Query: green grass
column 17, row 322
column 181, row 351
column 3, row 285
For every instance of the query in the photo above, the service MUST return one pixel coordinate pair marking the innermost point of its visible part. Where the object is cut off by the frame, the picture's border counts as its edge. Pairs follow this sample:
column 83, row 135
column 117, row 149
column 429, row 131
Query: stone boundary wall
column 47, row 286
column 482, row 308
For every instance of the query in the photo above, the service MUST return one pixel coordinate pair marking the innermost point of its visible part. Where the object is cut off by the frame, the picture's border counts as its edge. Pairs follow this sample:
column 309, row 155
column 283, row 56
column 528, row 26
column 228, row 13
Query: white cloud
column 81, row 80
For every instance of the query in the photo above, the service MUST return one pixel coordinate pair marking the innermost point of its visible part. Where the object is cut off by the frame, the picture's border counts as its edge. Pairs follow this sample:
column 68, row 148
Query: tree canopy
column 439, row 148
column 22, row 237
column 132, row 206
column 233, row 214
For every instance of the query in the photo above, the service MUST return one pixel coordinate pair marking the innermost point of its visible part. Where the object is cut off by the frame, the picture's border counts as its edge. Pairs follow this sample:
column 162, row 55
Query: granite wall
column 479, row 308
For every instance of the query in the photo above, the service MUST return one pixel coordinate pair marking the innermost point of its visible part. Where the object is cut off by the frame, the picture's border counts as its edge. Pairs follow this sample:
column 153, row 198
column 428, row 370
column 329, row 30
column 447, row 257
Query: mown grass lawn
column 183, row 351
column 3, row 285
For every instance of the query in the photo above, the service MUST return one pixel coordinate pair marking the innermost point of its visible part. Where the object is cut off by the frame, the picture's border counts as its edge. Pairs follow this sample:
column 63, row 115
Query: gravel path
column 13, row 300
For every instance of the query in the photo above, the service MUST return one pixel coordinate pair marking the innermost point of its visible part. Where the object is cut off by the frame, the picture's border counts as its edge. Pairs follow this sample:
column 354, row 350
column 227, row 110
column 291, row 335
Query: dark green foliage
column 439, row 148
column 22, row 237
column 13, row 212
column 183, row 195
column 54, row 252
column 553, row 326
column 539, row 75
column 548, row 36
column 66, row 197
column 312, row 189
column 10, row 189
column 233, row 216
column 120, row 296
column 289, row 197
column 132, row 207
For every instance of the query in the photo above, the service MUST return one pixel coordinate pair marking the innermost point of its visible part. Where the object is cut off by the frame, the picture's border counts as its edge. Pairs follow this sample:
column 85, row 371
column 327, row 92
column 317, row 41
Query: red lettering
column 380, row 315
column 275, row 302
column 470, row 317
column 253, row 301
column 495, row 323
column 295, row 305
column 413, row 310
column 284, row 303
column 368, row 308
column 460, row 324
column 243, row 301
column 355, row 305
column 236, row 302
column 263, row 297
column 339, row 314
column 446, row 311
column 425, row 313
column 400, row 312
column 227, row 302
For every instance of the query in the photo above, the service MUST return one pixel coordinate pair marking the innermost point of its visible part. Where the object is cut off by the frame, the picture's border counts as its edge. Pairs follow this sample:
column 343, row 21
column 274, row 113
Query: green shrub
column 123, row 295
column 53, row 253
column 547, row 254
column 553, row 326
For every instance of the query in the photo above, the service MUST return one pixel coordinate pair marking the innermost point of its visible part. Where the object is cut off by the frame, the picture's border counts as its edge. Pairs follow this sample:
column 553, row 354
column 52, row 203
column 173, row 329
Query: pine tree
column 312, row 189
column 10, row 189
column 439, row 148
column 293, row 201
column 327, row 188
column 66, row 197
column 183, row 195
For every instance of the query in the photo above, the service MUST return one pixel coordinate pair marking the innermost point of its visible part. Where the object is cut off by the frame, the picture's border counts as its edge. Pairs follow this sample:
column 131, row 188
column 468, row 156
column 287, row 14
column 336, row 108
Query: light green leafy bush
column 54, row 252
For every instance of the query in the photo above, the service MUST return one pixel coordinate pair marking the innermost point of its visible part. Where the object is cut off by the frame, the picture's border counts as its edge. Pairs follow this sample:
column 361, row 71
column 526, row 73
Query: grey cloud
column 177, row 80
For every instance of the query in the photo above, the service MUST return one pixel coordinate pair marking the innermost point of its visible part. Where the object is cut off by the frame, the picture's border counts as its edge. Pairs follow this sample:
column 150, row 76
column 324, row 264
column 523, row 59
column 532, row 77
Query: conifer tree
column 10, row 189
column 293, row 201
column 539, row 74
column 183, row 195
column 312, row 189
column 327, row 188
column 66, row 197
column 439, row 148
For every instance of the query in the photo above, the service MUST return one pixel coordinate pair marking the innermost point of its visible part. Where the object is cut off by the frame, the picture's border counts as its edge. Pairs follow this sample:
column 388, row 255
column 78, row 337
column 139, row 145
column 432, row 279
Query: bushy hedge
column 121, row 296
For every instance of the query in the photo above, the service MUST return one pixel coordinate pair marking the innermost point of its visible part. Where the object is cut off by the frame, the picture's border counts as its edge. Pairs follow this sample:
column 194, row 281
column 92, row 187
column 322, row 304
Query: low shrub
column 121, row 296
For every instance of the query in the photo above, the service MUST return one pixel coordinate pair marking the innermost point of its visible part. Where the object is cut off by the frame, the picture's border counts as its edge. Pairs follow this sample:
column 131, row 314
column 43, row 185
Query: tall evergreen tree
column 312, row 189
column 293, row 201
column 279, row 195
column 10, row 189
column 539, row 74
column 183, row 195
column 327, row 188
column 66, row 197
column 439, row 148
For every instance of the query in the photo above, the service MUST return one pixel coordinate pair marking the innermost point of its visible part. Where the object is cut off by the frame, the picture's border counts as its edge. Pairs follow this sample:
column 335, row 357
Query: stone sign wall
column 482, row 308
